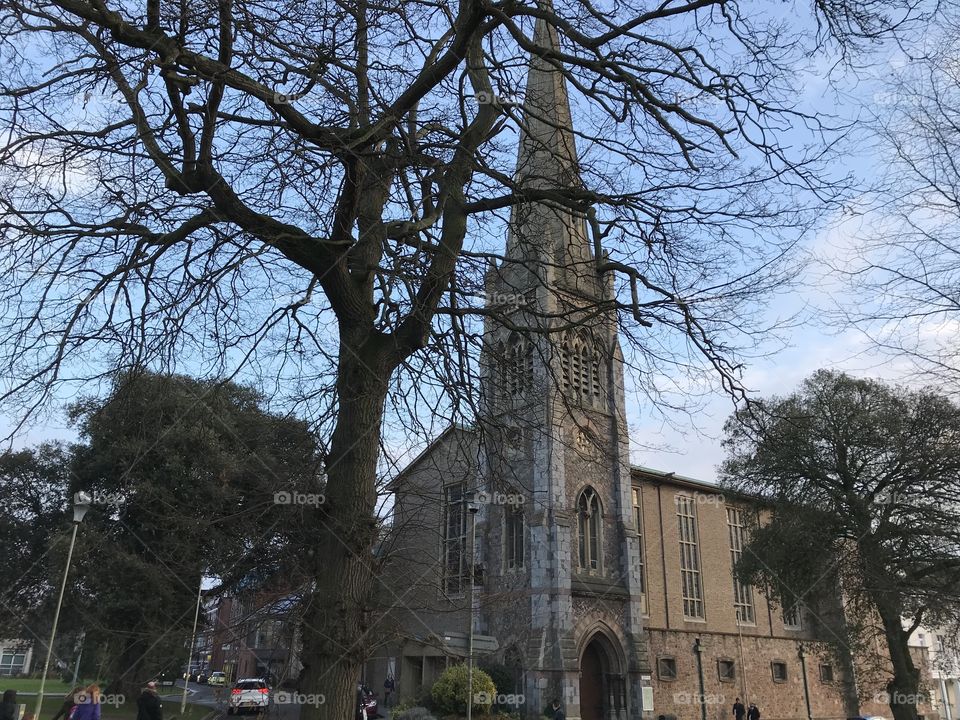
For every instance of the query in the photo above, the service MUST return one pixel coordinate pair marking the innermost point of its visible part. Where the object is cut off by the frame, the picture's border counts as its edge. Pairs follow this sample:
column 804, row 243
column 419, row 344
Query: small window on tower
column 726, row 670
column 779, row 670
column 667, row 668
column 826, row 673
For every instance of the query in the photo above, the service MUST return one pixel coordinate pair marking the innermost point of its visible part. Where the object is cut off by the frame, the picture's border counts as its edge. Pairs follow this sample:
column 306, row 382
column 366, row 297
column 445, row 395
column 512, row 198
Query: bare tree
column 904, row 268
column 309, row 194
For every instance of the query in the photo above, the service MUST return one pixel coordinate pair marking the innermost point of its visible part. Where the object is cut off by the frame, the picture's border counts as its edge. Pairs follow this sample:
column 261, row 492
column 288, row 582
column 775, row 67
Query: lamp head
column 81, row 503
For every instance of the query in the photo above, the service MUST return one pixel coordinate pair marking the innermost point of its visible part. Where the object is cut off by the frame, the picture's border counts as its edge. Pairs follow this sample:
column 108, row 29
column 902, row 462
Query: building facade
column 605, row 586
column 16, row 657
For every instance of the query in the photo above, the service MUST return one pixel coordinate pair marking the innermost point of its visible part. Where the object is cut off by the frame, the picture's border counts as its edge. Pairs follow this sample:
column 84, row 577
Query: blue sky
column 689, row 443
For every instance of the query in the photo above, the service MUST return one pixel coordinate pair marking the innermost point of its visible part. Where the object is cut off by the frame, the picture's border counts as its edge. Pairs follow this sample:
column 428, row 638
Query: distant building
column 16, row 657
column 940, row 648
column 250, row 633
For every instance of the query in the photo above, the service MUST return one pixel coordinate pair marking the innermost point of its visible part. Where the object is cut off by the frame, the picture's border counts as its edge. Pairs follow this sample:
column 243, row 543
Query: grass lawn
column 32, row 685
column 171, row 711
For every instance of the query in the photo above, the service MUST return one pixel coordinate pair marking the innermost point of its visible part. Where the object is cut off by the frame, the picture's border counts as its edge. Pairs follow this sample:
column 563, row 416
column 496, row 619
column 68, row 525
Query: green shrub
column 404, row 704
column 449, row 692
column 502, row 676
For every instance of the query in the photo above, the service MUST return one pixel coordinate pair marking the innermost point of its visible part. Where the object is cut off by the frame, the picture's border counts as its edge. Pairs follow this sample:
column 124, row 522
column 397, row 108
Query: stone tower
column 562, row 588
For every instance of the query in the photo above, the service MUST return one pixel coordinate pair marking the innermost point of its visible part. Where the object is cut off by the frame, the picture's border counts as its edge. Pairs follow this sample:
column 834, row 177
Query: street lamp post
column 698, row 651
column 473, row 508
column 193, row 639
column 81, row 503
column 802, row 653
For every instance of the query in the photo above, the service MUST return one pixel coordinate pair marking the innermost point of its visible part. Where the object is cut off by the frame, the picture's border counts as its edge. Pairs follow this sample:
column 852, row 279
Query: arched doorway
column 592, row 694
column 602, row 687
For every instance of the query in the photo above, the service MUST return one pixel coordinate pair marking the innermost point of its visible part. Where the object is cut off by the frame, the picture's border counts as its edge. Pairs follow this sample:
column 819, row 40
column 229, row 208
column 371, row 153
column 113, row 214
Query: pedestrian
column 9, row 710
column 69, row 702
column 557, row 711
column 88, row 704
column 149, row 706
column 388, row 687
column 738, row 710
column 753, row 713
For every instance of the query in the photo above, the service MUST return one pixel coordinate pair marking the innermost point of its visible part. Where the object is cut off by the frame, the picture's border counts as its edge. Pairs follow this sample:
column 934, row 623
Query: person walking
column 88, row 704
column 9, row 710
column 69, row 702
column 753, row 713
column 388, row 687
column 738, row 709
column 149, row 706
column 557, row 711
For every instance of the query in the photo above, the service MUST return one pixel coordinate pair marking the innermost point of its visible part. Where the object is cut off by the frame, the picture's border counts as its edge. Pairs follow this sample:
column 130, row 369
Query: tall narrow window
column 454, row 539
column 514, row 529
column 519, row 366
column 793, row 617
column 586, row 363
column 691, row 585
column 588, row 529
column 742, row 594
column 565, row 365
column 575, row 373
column 596, row 376
column 638, row 521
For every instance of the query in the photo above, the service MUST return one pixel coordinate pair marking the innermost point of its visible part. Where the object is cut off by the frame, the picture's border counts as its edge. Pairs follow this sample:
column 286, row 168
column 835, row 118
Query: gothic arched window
column 589, row 516
column 581, row 368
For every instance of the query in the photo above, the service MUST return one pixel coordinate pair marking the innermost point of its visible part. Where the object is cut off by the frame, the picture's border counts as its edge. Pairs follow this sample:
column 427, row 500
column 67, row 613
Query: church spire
column 548, row 152
column 547, row 159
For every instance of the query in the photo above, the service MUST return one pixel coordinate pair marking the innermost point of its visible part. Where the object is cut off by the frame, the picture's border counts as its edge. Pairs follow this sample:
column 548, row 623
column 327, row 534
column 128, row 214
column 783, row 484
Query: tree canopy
column 862, row 481
column 183, row 476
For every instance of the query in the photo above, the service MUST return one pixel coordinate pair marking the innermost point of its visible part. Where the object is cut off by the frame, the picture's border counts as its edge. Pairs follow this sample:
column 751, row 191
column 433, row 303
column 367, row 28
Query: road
column 204, row 695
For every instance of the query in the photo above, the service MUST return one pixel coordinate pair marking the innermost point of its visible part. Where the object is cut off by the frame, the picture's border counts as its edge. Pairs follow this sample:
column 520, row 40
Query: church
column 605, row 586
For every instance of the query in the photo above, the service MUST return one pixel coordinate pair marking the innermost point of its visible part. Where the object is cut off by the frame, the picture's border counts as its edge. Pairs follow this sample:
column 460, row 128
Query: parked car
column 202, row 677
column 249, row 694
column 217, row 678
column 369, row 702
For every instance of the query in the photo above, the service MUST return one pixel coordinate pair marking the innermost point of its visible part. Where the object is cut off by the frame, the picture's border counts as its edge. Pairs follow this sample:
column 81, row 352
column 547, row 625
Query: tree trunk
column 336, row 616
column 904, row 687
column 126, row 670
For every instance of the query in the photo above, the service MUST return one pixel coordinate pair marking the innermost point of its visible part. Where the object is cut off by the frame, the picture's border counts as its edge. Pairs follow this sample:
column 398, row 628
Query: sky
column 690, row 444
